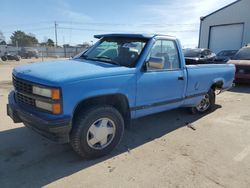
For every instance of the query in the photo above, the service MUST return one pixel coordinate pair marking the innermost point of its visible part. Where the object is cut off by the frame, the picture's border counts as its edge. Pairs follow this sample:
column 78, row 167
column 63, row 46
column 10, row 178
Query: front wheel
column 97, row 131
column 207, row 103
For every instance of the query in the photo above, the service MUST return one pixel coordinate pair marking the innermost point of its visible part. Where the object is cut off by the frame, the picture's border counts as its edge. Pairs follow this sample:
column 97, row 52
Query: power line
column 83, row 29
column 98, row 24
column 101, row 30
column 34, row 29
column 26, row 24
column 125, row 24
column 101, row 24
column 59, row 26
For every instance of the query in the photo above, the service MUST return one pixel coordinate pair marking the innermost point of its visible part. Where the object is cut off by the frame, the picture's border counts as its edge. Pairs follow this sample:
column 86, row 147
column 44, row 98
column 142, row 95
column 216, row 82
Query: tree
column 2, row 39
column 86, row 45
column 2, row 36
column 47, row 42
column 23, row 39
column 50, row 42
column 2, row 42
column 43, row 44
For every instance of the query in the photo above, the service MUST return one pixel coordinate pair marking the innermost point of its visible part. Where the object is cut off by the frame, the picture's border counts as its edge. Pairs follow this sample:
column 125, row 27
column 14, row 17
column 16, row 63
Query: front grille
column 25, row 100
column 22, row 86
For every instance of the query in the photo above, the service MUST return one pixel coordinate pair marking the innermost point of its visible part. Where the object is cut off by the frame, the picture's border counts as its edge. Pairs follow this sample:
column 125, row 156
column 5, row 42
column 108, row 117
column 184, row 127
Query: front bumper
column 54, row 129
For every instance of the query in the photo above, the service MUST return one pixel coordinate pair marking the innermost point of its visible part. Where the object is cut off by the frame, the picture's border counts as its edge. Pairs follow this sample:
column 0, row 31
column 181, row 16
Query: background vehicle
column 28, row 53
column 225, row 55
column 241, row 60
column 8, row 56
column 89, row 100
column 198, row 56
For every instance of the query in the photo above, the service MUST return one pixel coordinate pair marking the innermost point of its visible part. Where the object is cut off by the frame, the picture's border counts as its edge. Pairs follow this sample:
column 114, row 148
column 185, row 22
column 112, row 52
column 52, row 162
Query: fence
column 45, row 51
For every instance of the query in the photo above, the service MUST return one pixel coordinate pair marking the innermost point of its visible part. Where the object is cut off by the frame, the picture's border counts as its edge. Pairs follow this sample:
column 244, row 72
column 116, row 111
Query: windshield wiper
column 108, row 58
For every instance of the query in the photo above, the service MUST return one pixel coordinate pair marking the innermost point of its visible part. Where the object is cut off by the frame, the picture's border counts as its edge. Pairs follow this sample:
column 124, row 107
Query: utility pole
column 56, row 32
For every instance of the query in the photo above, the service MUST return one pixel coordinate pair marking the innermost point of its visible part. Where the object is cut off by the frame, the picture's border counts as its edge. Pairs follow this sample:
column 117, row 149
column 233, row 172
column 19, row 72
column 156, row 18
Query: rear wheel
column 207, row 103
column 97, row 131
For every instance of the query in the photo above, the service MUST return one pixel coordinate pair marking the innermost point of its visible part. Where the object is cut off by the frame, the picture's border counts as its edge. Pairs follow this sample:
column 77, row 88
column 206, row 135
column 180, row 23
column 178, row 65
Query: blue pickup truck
column 87, row 101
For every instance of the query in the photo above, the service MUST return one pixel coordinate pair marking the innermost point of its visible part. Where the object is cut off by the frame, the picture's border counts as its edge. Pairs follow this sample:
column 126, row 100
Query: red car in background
column 241, row 60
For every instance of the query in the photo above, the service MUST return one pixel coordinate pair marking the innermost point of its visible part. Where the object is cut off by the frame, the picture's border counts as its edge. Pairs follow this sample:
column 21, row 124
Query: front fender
column 79, row 91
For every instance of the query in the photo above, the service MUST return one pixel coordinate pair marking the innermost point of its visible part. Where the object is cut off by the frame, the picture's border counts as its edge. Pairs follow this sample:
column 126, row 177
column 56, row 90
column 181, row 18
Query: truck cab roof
column 130, row 35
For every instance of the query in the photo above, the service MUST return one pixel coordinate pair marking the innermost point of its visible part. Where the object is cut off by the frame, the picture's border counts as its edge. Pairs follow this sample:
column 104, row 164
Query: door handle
column 180, row 78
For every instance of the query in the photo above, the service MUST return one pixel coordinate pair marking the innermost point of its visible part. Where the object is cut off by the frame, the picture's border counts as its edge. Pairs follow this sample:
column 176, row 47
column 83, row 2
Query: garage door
column 227, row 37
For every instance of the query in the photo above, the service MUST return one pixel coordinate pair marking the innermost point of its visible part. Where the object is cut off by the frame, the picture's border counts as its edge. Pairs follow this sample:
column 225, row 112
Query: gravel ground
column 159, row 151
column 6, row 66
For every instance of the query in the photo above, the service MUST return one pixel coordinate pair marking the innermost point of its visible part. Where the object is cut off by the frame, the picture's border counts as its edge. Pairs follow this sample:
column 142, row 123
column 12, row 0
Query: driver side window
column 165, row 51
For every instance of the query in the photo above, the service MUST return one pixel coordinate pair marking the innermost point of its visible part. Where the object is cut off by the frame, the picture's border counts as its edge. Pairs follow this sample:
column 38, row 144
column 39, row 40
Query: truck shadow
column 28, row 160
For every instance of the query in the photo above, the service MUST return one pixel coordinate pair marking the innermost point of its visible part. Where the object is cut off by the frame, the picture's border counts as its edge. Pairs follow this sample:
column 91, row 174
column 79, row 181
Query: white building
column 227, row 28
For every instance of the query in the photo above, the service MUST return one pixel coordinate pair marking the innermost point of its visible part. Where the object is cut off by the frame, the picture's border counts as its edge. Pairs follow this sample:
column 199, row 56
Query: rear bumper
column 56, row 130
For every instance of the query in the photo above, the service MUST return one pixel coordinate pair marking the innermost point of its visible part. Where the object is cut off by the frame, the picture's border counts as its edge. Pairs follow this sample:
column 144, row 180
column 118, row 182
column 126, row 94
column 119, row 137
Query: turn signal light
column 55, row 94
column 56, row 108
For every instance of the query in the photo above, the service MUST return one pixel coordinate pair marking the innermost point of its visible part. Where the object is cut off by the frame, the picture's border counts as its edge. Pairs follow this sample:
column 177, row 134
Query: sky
column 78, row 20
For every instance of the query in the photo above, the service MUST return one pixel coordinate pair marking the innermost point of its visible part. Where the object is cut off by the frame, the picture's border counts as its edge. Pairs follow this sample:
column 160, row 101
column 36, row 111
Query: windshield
column 243, row 54
column 192, row 53
column 120, row 51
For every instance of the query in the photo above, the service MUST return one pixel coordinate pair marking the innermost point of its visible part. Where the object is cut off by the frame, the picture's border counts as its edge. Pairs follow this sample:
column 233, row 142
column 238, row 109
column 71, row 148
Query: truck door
column 159, row 89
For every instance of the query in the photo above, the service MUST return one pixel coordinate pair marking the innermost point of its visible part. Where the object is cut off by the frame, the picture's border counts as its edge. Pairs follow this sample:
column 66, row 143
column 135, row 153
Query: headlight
column 55, row 108
column 44, row 105
column 51, row 93
column 46, row 92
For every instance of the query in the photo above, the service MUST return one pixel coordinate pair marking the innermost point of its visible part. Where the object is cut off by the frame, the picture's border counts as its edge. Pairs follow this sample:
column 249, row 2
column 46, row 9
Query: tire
column 210, row 96
column 4, row 58
column 88, row 120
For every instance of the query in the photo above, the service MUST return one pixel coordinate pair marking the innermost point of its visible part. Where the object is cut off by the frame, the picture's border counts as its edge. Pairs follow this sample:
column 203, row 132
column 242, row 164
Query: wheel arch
column 118, row 101
column 217, row 84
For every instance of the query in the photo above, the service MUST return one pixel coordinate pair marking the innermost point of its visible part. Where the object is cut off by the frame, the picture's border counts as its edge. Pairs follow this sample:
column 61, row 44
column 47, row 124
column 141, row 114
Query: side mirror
column 155, row 63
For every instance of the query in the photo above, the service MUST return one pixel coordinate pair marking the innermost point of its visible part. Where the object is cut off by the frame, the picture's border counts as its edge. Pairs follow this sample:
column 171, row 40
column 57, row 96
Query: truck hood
column 56, row 72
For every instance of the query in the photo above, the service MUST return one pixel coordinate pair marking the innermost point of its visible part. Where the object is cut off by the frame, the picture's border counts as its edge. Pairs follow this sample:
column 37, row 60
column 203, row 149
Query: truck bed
column 202, row 76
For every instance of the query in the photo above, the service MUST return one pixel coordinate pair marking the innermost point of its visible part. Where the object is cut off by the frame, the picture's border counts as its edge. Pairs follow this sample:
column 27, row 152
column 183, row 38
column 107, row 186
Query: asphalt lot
column 159, row 151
